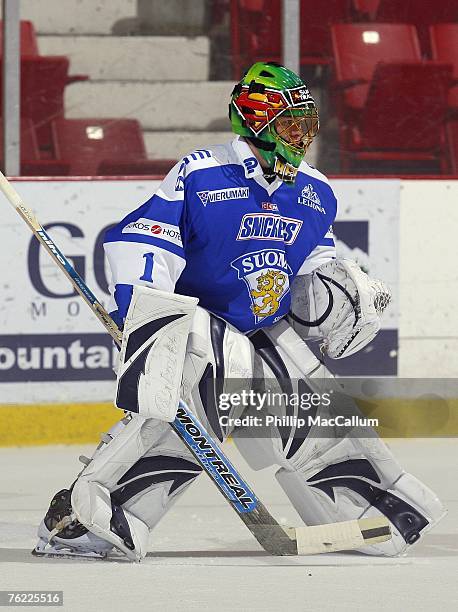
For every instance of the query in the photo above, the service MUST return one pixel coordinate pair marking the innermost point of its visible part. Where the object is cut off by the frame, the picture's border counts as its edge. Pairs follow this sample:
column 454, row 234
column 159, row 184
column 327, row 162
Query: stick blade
column 346, row 535
column 275, row 539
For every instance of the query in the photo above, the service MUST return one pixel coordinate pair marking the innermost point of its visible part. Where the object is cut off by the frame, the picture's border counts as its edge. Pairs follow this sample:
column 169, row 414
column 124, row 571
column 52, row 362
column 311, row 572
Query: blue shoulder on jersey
column 157, row 222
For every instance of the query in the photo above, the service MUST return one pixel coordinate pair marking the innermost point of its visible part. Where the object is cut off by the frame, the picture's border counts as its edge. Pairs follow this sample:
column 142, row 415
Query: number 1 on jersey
column 148, row 271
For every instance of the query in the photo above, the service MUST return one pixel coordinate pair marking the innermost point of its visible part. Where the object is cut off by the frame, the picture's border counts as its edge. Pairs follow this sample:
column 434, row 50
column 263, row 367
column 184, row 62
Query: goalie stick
column 272, row 537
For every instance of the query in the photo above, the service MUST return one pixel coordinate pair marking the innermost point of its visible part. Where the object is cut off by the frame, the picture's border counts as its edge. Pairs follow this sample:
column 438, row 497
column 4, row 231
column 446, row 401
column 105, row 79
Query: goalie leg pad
column 95, row 509
column 153, row 352
column 130, row 483
column 136, row 475
column 413, row 509
column 343, row 478
column 319, row 497
column 219, row 360
column 91, row 499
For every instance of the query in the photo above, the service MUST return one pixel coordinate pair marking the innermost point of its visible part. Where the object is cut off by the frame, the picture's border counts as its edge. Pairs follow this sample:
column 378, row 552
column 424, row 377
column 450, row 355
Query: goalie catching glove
column 339, row 304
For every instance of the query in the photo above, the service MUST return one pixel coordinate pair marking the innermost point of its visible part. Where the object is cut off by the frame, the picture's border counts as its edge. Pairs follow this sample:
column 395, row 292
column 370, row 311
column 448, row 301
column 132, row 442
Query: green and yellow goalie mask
column 273, row 108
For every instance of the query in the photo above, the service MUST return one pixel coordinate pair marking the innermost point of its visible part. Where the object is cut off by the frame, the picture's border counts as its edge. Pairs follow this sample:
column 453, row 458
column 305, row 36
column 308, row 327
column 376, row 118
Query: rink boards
column 56, row 361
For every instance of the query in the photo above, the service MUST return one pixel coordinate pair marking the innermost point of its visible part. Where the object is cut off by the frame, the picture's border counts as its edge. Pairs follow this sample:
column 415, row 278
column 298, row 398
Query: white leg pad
column 315, row 507
column 416, row 494
column 153, row 351
column 91, row 503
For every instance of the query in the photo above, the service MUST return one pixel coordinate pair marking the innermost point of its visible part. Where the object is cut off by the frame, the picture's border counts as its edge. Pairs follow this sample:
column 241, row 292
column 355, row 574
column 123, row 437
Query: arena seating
column 53, row 145
column 444, row 46
column 256, row 27
column 85, row 143
column 357, row 50
column 329, row 36
column 29, row 45
column 420, row 13
column 43, row 81
column 402, row 121
column 31, row 163
column 391, row 105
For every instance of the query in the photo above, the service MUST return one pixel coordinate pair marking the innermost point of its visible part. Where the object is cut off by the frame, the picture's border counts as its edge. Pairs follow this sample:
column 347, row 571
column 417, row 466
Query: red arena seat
column 420, row 13
column 359, row 47
column 84, row 143
column 29, row 45
column 43, row 81
column 403, row 119
column 31, row 163
column 444, row 46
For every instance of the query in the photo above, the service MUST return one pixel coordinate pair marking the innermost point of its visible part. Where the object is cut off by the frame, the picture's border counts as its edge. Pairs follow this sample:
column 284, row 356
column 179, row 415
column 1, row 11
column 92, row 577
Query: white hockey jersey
column 218, row 231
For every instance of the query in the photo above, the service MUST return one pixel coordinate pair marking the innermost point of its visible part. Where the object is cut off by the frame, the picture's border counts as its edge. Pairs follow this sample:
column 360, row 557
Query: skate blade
column 68, row 555
column 46, row 550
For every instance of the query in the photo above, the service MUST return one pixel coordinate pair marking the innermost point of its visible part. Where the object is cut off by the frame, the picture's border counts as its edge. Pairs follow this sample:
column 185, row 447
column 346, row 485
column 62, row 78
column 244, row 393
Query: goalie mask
column 273, row 108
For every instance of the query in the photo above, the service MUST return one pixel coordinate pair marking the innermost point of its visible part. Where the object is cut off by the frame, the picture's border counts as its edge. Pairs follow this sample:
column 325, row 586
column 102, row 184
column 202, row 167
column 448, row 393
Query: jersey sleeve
column 321, row 254
column 321, row 189
column 147, row 246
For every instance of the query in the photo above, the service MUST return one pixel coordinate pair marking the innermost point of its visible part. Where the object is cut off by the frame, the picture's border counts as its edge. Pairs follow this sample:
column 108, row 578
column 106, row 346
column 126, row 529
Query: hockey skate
column 61, row 535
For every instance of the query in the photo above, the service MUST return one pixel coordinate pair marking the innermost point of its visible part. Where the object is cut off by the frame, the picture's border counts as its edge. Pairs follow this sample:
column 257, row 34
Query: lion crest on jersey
column 268, row 293
column 266, row 275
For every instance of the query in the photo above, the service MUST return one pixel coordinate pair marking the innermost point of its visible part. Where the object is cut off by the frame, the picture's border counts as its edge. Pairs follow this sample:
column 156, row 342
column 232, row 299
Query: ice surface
column 203, row 557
